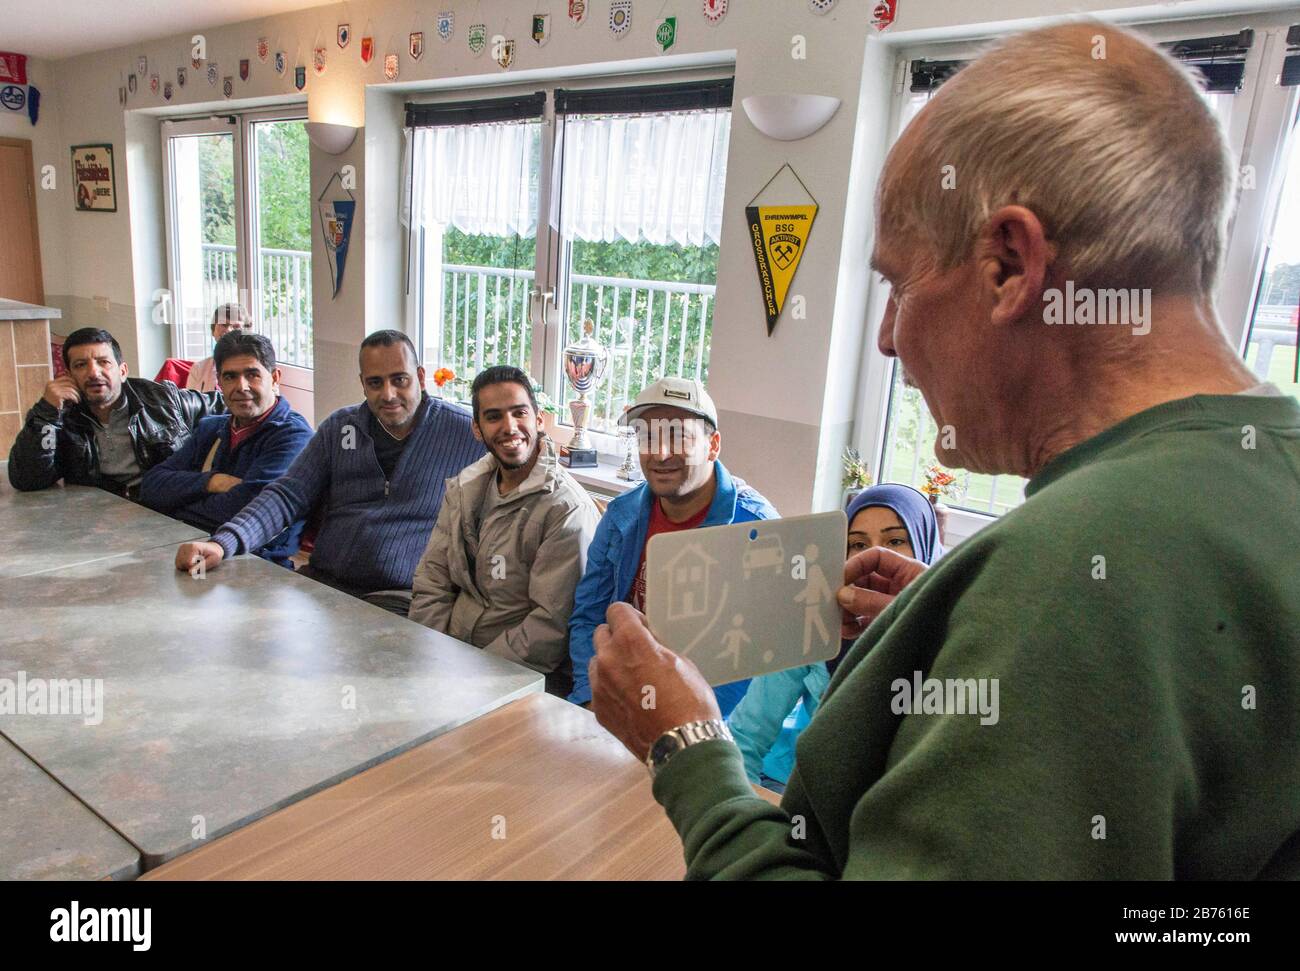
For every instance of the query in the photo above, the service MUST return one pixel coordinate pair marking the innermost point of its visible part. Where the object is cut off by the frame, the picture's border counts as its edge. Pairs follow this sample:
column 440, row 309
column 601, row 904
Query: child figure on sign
column 735, row 639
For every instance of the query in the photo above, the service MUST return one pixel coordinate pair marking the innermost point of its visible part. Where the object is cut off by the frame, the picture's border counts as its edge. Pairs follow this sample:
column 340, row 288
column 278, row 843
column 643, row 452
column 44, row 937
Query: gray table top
column 65, row 525
column 228, row 697
column 46, row 834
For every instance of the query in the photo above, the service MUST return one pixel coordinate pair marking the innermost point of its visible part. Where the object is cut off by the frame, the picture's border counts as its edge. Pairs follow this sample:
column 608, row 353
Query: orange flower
column 443, row 375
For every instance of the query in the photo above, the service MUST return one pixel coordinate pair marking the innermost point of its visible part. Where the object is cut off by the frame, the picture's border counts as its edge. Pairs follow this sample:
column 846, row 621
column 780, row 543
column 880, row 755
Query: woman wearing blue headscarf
column 777, row 706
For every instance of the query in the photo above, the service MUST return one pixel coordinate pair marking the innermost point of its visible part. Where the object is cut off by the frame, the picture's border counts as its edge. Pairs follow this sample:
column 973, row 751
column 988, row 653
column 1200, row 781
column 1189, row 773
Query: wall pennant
column 300, row 76
column 345, row 35
column 883, row 14
column 281, row 62
column 263, row 49
column 243, row 69
column 416, row 46
column 541, row 28
column 142, row 66
column 821, row 6
column 130, row 83
column 620, row 17
column 228, row 86
column 446, row 24
column 195, row 63
column 715, row 10
column 167, row 91
column 318, row 60
column 181, row 77
column 212, row 72
column 390, row 66
column 153, row 84
column 477, row 38
column 336, row 225
column 13, row 68
column 779, row 235
column 666, row 34
column 578, row 10
column 505, row 54
column 367, row 49
column 121, row 96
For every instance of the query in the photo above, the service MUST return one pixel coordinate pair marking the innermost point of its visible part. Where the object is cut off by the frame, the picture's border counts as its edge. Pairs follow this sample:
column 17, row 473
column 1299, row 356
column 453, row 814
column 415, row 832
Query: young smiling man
column 686, row 487
column 373, row 477
column 511, row 540
column 231, row 458
column 96, row 426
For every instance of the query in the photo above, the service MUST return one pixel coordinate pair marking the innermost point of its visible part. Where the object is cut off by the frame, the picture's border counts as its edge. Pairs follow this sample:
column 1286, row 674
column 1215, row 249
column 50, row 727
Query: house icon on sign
column 690, row 575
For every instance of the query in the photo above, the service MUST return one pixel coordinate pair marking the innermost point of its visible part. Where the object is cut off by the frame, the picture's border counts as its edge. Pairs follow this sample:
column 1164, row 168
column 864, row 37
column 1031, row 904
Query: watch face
column 663, row 748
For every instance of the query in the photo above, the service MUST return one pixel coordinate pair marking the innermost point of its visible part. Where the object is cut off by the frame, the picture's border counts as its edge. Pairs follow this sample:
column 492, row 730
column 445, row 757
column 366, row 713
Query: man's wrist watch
column 692, row 733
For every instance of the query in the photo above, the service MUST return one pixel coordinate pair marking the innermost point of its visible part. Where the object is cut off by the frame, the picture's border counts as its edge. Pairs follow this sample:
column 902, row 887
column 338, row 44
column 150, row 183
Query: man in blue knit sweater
column 372, row 476
column 231, row 458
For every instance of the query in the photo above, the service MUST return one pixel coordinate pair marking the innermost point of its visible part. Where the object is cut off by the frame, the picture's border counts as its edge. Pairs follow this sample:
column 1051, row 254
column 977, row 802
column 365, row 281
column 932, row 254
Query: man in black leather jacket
column 95, row 426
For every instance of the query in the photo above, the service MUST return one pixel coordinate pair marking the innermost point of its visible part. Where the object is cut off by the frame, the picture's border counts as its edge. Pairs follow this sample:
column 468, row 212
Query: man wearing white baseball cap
column 685, row 487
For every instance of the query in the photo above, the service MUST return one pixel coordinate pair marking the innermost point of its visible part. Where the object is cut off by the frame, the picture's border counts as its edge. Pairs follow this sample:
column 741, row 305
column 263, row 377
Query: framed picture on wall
column 94, row 184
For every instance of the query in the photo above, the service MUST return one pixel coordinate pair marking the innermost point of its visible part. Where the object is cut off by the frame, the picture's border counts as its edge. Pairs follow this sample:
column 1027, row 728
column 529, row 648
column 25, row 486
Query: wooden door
column 20, row 244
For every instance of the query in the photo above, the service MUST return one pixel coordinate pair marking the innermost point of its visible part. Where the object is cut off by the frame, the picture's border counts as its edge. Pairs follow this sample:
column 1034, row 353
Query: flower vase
column 941, row 518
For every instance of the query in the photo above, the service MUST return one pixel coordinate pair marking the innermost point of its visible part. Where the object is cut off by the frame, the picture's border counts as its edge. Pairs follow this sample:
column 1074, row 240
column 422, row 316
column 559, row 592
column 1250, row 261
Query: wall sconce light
column 789, row 117
column 331, row 139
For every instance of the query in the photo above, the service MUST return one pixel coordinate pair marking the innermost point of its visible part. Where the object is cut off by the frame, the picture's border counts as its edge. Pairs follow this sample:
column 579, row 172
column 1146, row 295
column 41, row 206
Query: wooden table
column 66, row 525
column 534, row 791
column 229, row 697
column 46, row 834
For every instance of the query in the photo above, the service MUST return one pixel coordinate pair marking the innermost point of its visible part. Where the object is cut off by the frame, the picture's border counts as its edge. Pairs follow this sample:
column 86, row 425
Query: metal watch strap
column 692, row 733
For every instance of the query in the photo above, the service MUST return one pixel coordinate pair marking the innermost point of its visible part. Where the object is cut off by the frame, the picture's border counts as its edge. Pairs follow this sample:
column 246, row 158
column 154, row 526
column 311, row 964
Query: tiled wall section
column 24, row 371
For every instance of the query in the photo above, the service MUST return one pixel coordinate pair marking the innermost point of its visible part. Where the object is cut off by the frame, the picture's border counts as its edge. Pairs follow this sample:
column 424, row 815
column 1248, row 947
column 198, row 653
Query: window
column 239, row 229
column 906, row 447
column 632, row 183
column 1274, row 325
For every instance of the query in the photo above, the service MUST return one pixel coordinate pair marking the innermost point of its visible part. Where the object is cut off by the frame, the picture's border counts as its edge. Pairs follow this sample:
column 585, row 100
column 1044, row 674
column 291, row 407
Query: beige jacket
column 515, row 597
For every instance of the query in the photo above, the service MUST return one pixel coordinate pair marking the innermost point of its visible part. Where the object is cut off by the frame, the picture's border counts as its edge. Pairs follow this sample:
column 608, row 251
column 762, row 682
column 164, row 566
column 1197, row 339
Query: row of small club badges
column 503, row 50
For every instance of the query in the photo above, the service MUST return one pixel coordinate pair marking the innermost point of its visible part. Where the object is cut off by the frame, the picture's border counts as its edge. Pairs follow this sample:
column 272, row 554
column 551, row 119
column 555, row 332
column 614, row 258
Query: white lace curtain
column 658, row 178
column 481, row 179
column 646, row 177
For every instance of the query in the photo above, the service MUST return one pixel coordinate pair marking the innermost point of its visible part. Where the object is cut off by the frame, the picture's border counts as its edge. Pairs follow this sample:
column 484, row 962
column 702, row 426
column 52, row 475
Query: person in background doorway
column 225, row 319
column 777, row 706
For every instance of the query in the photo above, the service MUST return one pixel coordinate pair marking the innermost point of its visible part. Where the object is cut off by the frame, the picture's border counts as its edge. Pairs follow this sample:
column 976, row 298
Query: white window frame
column 549, row 296
column 1258, row 134
column 247, row 229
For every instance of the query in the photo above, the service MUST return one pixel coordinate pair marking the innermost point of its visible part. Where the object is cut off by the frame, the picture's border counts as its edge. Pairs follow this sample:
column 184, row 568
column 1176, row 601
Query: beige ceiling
column 53, row 29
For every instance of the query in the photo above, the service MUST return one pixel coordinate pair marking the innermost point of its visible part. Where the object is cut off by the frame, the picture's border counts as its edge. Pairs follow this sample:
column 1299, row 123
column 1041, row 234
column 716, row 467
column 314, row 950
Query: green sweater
column 1124, row 703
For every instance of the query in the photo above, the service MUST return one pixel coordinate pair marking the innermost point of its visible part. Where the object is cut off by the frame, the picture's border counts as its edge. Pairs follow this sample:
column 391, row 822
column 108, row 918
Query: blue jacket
column 178, row 487
column 615, row 555
column 759, row 721
column 372, row 530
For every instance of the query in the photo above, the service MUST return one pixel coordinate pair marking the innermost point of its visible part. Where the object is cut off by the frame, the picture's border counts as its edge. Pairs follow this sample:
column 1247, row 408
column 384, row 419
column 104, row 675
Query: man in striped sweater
column 372, row 476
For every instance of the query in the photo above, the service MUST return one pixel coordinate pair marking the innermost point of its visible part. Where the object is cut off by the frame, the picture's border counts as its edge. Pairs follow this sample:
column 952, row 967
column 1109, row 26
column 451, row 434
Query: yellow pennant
column 779, row 235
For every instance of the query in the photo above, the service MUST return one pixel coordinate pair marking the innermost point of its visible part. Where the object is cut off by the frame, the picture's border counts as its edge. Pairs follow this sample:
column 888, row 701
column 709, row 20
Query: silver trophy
column 584, row 365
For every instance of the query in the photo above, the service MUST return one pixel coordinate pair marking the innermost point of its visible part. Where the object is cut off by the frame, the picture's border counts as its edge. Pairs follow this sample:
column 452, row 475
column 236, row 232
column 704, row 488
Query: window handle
column 544, row 297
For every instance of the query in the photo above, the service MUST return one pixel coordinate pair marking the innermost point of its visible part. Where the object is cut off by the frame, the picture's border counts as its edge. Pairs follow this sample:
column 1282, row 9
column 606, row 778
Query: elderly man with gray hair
column 1134, row 624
